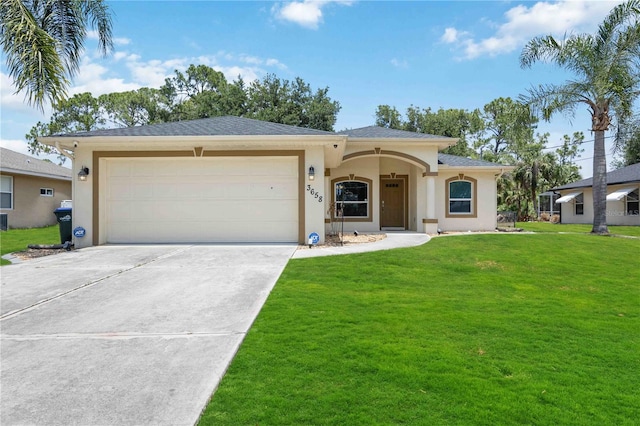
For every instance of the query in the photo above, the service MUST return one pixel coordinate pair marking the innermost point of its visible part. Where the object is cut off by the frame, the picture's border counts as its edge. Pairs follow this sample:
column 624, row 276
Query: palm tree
column 43, row 41
column 607, row 69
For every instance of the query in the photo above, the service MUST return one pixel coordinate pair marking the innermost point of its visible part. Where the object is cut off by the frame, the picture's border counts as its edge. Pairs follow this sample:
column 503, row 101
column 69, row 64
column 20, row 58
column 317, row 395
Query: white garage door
column 210, row 199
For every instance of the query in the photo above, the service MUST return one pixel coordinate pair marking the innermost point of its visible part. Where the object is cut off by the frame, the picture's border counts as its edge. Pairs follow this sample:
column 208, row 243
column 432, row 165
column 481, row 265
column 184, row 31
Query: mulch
column 35, row 253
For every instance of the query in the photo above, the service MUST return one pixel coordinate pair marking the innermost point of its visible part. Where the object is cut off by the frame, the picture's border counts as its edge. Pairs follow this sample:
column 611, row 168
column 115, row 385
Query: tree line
column 198, row 92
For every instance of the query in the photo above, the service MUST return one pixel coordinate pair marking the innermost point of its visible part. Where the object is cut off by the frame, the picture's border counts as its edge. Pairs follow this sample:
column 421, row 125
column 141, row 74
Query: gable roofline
column 214, row 126
column 20, row 164
column 377, row 134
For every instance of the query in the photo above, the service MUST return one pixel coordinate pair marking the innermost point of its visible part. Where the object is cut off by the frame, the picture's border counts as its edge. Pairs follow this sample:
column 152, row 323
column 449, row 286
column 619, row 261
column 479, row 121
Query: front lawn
column 478, row 329
column 633, row 231
column 18, row 239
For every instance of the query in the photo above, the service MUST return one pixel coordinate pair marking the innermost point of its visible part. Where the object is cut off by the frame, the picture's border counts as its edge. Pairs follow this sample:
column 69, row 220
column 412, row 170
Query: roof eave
column 35, row 174
column 69, row 142
column 498, row 168
column 440, row 142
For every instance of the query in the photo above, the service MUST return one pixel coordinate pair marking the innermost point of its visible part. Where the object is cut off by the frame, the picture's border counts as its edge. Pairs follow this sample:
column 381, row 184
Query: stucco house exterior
column 576, row 199
column 31, row 189
column 232, row 179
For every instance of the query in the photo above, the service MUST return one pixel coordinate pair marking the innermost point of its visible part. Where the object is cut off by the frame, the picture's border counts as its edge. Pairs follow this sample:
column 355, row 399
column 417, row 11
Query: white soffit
column 568, row 197
column 620, row 193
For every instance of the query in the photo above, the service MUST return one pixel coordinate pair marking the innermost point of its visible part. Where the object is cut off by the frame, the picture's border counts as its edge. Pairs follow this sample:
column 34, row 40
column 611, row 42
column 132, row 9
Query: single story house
column 233, row 179
column 576, row 199
column 31, row 189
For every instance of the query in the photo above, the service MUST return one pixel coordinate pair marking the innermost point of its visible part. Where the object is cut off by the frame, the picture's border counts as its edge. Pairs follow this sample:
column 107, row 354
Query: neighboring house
column 31, row 189
column 576, row 199
column 232, row 179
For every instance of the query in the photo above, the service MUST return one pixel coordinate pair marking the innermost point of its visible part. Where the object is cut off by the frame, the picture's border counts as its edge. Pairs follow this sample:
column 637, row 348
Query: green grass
column 633, row 231
column 18, row 239
column 466, row 330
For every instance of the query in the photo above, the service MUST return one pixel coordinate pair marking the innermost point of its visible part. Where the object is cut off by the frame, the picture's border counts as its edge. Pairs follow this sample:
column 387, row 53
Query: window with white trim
column 460, row 198
column 578, row 204
column 632, row 202
column 351, row 199
column 6, row 192
column 46, row 192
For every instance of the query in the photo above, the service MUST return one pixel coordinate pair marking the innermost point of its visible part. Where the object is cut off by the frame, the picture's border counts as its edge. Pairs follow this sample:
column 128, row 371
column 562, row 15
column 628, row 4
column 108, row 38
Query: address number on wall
column 314, row 193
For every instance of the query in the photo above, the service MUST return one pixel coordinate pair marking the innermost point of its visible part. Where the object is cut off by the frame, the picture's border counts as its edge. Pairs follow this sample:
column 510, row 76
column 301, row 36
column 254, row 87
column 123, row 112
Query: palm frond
column 99, row 16
column 31, row 55
column 539, row 48
column 548, row 99
column 43, row 41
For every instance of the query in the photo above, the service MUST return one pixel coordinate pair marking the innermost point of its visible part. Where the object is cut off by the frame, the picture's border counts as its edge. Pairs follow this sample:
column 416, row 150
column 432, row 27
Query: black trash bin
column 63, row 214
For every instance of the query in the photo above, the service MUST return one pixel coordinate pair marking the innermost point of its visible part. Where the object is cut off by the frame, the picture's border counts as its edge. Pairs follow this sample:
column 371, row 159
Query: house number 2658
column 314, row 193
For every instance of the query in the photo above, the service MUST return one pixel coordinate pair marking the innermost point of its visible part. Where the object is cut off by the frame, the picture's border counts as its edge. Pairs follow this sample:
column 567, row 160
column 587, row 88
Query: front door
column 392, row 203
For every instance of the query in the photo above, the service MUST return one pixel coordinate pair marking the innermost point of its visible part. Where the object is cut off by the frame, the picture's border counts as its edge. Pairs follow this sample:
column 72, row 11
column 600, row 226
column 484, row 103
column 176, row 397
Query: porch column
column 431, row 197
column 430, row 222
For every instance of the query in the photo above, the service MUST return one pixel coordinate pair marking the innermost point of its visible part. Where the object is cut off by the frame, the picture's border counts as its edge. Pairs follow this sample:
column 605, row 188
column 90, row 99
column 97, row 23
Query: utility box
column 4, row 221
column 64, row 216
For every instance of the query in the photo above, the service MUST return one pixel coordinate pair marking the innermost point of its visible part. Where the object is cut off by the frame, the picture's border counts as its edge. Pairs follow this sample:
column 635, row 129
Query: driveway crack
column 17, row 312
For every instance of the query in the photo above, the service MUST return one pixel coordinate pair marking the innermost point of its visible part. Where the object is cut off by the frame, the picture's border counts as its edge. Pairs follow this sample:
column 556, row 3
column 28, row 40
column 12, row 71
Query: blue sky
column 449, row 54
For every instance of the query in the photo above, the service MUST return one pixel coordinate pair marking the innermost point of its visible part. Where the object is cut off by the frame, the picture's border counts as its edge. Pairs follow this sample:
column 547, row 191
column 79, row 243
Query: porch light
column 83, row 173
column 312, row 173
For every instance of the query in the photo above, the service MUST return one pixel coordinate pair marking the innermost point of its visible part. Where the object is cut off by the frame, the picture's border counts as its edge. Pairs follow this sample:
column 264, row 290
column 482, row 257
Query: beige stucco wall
column 82, row 197
column 485, row 219
column 30, row 209
column 615, row 209
column 314, row 206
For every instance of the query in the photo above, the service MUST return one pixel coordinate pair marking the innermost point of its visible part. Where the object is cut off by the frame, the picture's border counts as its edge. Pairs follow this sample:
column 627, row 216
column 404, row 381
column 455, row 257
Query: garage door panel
column 280, row 189
column 275, row 210
column 247, row 199
column 274, row 166
column 121, row 168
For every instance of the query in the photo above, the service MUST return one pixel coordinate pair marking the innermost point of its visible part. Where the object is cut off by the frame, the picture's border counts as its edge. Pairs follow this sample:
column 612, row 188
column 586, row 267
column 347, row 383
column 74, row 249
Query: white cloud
column 8, row 97
column 451, row 35
column 275, row 63
column 307, row 13
column 118, row 41
column 251, row 59
column 15, row 145
column 399, row 63
column 523, row 23
column 91, row 79
column 121, row 41
column 152, row 73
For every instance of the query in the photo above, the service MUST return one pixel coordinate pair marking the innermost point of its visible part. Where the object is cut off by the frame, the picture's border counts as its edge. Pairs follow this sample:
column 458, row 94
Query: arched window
column 352, row 199
column 461, row 192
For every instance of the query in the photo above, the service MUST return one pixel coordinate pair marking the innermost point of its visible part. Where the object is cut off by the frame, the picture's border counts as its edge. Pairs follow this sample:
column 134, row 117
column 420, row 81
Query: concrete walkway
column 127, row 335
column 393, row 240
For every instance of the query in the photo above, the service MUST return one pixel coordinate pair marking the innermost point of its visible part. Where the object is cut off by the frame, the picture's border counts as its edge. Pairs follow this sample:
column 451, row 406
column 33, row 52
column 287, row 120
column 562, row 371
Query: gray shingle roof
column 14, row 162
column 624, row 175
column 215, row 126
column 456, row 161
column 375, row 132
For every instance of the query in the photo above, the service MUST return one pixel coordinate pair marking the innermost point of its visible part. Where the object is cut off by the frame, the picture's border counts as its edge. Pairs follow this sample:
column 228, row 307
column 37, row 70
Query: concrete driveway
column 117, row 335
